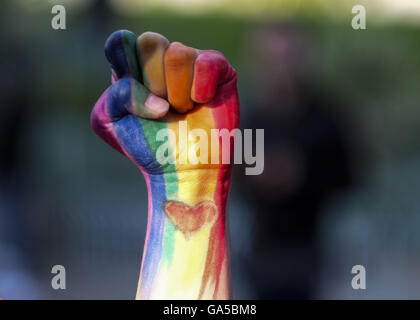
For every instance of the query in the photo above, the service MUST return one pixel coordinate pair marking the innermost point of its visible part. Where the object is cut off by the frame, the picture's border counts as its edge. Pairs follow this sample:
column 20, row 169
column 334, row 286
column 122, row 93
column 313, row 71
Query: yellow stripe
column 184, row 275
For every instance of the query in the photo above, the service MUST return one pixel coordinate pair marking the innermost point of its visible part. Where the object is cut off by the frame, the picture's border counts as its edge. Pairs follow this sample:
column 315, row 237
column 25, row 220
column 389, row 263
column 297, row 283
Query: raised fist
column 158, row 90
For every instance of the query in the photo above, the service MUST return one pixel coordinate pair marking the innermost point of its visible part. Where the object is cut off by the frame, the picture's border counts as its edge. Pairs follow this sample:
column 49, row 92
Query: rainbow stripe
column 175, row 265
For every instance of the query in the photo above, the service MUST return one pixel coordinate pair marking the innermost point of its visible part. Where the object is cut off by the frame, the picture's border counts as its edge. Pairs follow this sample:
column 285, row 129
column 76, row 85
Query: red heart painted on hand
column 189, row 219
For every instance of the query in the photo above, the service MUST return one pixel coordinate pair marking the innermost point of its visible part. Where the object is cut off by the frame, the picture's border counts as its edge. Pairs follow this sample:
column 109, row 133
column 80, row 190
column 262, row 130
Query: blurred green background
column 60, row 183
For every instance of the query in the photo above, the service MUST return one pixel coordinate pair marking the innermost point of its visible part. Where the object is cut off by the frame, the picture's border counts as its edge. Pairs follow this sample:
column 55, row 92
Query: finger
column 211, row 69
column 128, row 96
column 179, row 68
column 151, row 49
column 120, row 50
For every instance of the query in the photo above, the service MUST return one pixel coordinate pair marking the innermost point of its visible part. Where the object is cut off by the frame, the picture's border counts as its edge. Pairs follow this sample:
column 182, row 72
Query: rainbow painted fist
column 159, row 85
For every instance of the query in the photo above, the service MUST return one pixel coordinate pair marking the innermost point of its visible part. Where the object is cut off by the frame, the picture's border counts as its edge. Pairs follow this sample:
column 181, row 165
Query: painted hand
column 160, row 90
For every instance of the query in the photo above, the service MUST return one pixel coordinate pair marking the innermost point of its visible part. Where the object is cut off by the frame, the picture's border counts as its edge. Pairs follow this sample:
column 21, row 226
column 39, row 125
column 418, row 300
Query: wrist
column 186, row 254
column 191, row 186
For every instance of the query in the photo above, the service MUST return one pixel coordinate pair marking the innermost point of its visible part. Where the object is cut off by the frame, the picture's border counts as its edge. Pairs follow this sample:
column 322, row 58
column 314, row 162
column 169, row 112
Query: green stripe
column 150, row 129
column 129, row 41
column 169, row 232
